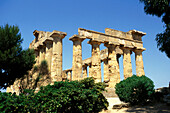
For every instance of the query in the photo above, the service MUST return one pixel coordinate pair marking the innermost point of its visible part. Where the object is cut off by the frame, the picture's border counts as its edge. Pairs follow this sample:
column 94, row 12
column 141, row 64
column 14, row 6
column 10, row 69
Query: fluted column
column 127, row 66
column 106, row 69
column 56, row 67
column 41, row 53
column 48, row 55
column 96, row 62
column 77, row 57
column 84, row 71
column 114, row 72
column 139, row 62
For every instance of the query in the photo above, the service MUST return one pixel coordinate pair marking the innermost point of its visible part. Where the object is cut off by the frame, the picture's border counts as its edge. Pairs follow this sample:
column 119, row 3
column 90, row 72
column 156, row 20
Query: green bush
column 10, row 103
column 73, row 97
column 135, row 90
column 67, row 97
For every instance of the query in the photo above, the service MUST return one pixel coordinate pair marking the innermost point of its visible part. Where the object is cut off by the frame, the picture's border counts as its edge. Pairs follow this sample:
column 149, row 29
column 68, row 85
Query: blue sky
column 69, row 15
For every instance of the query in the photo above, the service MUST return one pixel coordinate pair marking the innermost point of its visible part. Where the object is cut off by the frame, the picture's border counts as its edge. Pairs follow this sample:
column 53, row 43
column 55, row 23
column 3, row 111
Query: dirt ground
column 156, row 108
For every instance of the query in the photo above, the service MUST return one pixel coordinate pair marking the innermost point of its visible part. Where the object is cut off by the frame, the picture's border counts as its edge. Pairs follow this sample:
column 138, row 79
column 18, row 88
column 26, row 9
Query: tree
column 14, row 62
column 160, row 8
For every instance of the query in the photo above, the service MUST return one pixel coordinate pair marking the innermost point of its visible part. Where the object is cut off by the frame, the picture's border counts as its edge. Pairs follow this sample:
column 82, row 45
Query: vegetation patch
column 83, row 96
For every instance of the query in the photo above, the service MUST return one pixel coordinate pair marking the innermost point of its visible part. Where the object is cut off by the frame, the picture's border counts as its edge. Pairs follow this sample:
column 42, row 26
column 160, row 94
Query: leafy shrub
column 73, row 97
column 10, row 103
column 67, row 97
column 135, row 90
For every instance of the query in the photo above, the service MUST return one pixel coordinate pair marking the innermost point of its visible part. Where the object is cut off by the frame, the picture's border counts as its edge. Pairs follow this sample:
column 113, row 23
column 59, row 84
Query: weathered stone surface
column 77, row 57
column 84, row 71
column 56, row 68
column 110, row 92
column 96, row 61
column 127, row 66
column 90, row 70
column 114, row 73
column 69, row 75
column 139, row 62
column 106, row 70
column 42, row 54
column 130, row 35
column 131, row 38
column 48, row 55
column 37, row 56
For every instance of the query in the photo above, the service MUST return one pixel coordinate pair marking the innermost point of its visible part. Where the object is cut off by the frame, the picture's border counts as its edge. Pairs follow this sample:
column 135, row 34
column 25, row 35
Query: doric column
column 90, row 70
column 77, row 57
column 96, row 62
column 114, row 72
column 56, row 66
column 41, row 53
column 36, row 55
column 106, row 69
column 48, row 55
column 84, row 71
column 139, row 62
column 127, row 66
column 69, row 75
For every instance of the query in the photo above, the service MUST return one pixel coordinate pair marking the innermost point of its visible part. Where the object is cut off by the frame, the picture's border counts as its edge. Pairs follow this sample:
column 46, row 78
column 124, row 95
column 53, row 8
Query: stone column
column 42, row 53
column 127, row 66
column 90, row 70
column 84, row 71
column 56, row 66
column 37, row 56
column 8, row 89
column 106, row 69
column 69, row 75
column 48, row 55
column 139, row 62
column 96, row 62
column 77, row 57
column 114, row 72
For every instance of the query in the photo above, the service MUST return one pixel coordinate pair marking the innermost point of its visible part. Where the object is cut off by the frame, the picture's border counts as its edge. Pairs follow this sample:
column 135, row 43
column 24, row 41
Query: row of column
column 111, row 65
column 51, row 51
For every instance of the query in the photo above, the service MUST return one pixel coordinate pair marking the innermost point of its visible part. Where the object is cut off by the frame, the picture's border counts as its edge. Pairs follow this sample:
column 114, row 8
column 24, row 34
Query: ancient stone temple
column 48, row 46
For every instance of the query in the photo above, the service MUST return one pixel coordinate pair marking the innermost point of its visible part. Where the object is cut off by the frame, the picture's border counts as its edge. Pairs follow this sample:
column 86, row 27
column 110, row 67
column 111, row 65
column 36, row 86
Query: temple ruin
column 48, row 46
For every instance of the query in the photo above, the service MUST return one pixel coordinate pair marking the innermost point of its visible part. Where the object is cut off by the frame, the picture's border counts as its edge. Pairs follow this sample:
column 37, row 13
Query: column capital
column 138, row 50
column 77, row 38
column 58, row 34
column 106, row 59
column 126, row 49
column 48, row 42
column 92, row 42
column 110, row 45
column 41, row 46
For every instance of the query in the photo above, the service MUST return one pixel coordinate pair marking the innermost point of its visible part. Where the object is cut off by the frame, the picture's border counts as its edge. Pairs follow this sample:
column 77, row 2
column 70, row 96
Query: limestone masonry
column 48, row 46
